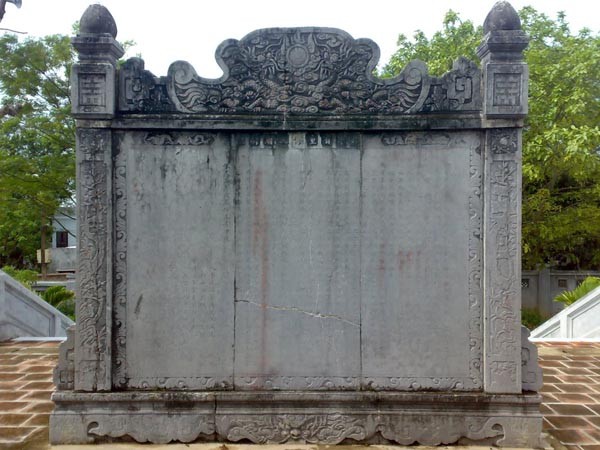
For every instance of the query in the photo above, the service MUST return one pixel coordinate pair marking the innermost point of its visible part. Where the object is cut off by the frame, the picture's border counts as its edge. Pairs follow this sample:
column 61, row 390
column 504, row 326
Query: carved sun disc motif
column 413, row 76
column 297, row 56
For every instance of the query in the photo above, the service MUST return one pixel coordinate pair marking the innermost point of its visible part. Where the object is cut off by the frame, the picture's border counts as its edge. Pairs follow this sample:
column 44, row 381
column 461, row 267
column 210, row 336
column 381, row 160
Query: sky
column 171, row 30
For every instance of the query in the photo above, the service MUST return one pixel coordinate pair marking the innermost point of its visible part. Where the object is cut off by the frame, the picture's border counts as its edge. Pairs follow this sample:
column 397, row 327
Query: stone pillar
column 93, row 104
column 504, row 107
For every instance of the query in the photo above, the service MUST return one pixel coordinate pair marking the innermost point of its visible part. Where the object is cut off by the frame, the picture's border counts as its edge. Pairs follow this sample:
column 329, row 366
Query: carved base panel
column 309, row 417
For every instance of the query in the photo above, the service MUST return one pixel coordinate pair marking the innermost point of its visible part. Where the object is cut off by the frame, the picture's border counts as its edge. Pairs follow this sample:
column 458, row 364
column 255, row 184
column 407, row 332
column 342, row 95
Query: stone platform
column 304, row 417
column 570, row 401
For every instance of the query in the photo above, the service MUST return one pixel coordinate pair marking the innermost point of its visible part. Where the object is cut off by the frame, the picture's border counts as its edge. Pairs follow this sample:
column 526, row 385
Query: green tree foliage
column 24, row 276
column 561, row 158
column 457, row 38
column 586, row 286
column 62, row 299
column 561, row 145
column 37, row 141
column 531, row 318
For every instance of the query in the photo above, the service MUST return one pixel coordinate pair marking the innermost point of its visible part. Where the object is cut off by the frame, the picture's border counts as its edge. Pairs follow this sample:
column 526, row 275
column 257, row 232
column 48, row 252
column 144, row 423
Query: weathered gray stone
column 531, row 372
column 93, row 90
column 176, row 185
column 421, row 210
column 297, row 256
column 502, row 17
column 312, row 417
column 502, row 274
column 299, row 251
column 96, row 19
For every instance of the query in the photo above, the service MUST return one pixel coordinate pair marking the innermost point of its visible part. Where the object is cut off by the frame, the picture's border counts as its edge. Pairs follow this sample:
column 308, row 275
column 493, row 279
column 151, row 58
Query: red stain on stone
column 260, row 247
column 381, row 267
column 403, row 258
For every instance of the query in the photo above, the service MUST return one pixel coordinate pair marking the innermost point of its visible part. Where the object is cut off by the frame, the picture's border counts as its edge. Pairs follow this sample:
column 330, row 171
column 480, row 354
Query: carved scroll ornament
column 298, row 70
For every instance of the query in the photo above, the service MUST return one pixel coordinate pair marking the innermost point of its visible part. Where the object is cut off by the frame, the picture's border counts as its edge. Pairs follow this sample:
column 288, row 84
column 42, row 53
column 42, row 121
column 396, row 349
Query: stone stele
column 299, row 251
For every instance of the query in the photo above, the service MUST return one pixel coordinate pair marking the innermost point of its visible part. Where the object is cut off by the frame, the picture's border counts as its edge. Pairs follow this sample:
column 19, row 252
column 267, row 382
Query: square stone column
column 93, row 104
column 504, row 107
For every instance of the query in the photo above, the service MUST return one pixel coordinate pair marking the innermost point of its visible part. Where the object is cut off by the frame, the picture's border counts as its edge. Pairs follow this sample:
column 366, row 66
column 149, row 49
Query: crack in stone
column 301, row 311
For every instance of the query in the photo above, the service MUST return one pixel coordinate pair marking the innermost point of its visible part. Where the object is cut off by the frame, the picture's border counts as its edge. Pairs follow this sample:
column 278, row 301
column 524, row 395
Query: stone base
column 309, row 417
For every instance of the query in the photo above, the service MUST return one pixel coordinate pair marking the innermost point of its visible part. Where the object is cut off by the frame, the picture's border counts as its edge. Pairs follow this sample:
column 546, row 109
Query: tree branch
column 13, row 31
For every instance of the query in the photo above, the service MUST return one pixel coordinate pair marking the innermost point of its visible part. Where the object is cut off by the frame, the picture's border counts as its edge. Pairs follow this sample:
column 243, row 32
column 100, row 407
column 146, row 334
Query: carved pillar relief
column 92, row 354
column 503, row 260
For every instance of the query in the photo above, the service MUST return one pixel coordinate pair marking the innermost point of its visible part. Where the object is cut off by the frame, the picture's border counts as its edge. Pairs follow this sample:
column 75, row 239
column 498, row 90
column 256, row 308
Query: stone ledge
column 220, row 446
column 312, row 417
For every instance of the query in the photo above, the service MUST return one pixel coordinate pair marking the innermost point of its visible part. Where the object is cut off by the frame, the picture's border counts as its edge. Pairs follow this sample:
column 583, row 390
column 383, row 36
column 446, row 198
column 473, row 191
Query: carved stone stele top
column 298, row 70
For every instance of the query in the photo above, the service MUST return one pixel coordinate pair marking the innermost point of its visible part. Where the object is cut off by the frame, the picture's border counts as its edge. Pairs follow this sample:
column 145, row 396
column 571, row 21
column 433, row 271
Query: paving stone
column 15, row 434
column 573, row 410
column 10, row 385
column 40, row 407
column 12, row 406
column 38, row 351
column 548, row 357
column 573, row 379
column 594, row 434
column 573, row 398
column 39, row 386
column 37, row 377
column 551, row 363
column 572, row 363
column 38, row 420
column 595, row 408
column 11, row 376
column 546, row 410
column 575, row 371
column 594, row 420
column 572, row 436
column 572, row 388
column 8, row 396
column 551, row 379
column 43, row 395
column 14, row 419
column 39, row 368
column 550, row 388
column 568, row 422
column 591, row 447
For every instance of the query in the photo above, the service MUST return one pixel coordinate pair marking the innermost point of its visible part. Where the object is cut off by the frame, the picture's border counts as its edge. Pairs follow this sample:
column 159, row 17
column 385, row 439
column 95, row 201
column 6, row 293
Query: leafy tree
column 457, row 38
column 25, row 277
column 561, row 160
column 62, row 299
column 586, row 286
column 37, row 141
column 561, row 150
column 532, row 318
